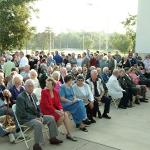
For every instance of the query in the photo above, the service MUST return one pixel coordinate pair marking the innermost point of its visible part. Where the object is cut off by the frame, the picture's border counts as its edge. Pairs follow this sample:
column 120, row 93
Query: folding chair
column 115, row 102
column 26, row 128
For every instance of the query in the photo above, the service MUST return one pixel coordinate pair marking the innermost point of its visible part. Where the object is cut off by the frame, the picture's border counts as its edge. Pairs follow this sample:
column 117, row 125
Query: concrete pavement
column 127, row 130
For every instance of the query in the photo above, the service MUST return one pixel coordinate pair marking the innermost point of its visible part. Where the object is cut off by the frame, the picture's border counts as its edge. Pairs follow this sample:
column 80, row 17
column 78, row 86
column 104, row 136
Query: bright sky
column 83, row 15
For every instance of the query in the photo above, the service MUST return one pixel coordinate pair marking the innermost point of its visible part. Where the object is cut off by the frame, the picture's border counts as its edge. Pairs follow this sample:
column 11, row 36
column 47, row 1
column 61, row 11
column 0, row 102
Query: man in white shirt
column 115, row 90
column 23, row 60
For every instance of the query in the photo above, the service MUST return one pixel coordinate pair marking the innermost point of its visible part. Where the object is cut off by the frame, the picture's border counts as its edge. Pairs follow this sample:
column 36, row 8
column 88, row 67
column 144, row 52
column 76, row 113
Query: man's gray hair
column 28, row 82
column 93, row 71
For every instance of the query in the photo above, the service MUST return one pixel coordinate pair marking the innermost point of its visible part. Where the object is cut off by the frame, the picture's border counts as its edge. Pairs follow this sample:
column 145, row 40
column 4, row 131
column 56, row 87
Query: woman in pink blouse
column 142, row 88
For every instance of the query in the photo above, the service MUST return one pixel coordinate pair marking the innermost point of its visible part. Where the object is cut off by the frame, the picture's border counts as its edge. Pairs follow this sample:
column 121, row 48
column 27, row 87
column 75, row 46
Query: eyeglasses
column 80, row 80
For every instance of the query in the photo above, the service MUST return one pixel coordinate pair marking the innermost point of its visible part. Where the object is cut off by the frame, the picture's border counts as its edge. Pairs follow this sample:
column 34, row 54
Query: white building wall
column 143, row 27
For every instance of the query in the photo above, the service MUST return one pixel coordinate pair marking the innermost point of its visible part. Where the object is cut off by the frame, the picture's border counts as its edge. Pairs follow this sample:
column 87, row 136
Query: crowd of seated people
column 49, row 87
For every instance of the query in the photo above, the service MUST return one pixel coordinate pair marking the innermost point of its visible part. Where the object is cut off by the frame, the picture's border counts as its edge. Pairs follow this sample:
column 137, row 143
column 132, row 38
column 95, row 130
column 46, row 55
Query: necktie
column 33, row 102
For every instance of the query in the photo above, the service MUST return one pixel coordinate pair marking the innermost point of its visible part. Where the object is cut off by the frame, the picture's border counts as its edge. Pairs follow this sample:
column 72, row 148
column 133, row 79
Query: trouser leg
column 143, row 91
column 124, row 100
column 89, row 112
column 106, row 100
column 96, row 108
column 37, row 126
column 52, row 126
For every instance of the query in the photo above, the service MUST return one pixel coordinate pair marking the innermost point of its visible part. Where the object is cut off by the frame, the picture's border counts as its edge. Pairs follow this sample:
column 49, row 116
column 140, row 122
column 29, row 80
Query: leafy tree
column 119, row 42
column 14, row 23
column 130, row 26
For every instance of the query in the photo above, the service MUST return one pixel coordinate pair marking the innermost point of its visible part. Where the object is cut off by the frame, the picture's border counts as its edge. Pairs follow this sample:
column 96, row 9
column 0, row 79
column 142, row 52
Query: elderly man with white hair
column 8, row 66
column 98, row 91
column 28, row 113
column 115, row 90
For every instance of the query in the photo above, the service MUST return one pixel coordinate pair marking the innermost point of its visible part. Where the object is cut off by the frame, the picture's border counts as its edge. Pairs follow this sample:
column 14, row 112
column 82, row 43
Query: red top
column 93, row 62
column 48, row 105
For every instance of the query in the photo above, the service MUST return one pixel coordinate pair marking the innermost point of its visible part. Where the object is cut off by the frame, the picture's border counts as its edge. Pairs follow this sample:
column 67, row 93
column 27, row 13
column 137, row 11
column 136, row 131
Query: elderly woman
column 33, row 76
column 72, row 104
column 3, row 131
column 17, row 86
column 50, row 105
column 106, row 74
column 63, row 73
column 83, row 91
column 135, row 78
column 56, row 77
column 5, row 109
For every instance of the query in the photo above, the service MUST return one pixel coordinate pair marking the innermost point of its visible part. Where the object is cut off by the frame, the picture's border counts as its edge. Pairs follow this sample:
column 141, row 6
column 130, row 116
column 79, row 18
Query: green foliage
column 92, row 40
column 14, row 24
column 130, row 26
column 120, row 42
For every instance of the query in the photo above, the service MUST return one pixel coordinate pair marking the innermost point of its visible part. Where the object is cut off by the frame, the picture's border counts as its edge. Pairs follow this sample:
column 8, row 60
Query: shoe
column 93, row 121
column 69, row 137
column 37, row 147
column 136, row 102
column 86, row 122
column 143, row 100
column 84, row 129
column 106, row 116
column 55, row 141
column 11, row 138
column 122, row 107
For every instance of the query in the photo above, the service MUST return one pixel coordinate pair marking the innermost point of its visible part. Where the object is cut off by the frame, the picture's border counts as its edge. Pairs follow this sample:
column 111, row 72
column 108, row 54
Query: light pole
column 50, row 39
column 83, row 42
column 99, row 43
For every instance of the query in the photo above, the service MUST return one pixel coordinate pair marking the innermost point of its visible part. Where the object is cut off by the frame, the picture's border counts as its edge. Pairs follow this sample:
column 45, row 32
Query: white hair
column 17, row 76
column 68, row 67
column 56, row 75
column 92, row 68
column 80, row 68
column 28, row 82
column 105, row 58
column 93, row 71
column 9, row 57
column 33, row 71
column 105, row 69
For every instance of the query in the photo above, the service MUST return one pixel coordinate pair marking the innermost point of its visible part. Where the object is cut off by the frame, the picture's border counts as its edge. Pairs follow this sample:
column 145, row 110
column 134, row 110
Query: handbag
column 7, row 122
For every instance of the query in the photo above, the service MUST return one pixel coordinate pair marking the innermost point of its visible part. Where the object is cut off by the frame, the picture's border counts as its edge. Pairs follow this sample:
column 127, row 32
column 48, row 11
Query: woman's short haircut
column 16, row 77
column 67, row 78
column 33, row 71
column 52, row 80
column 56, row 75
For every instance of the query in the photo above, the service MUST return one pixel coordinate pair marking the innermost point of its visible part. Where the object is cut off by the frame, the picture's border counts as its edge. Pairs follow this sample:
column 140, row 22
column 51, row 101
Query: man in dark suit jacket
column 28, row 113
